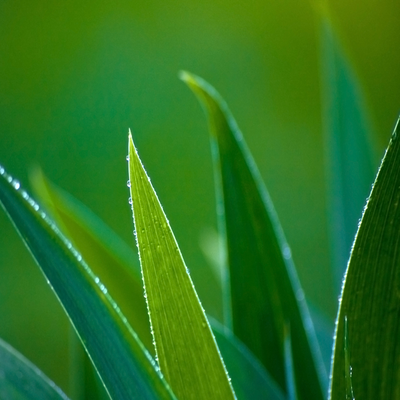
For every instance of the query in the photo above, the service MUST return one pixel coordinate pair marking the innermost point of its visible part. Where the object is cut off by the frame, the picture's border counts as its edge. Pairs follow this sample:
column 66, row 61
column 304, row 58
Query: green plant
column 266, row 338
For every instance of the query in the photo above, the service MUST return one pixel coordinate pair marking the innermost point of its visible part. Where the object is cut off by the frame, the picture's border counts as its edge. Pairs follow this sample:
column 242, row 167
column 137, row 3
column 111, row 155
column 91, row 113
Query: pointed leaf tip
column 185, row 346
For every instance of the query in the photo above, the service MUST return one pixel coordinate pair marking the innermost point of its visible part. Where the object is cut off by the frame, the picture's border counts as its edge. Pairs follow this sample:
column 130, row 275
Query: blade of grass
column 249, row 377
column 265, row 289
column 370, row 297
column 20, row 379
column 127, row 370
column 108, row 256
column 185, row 346
column 348, row 146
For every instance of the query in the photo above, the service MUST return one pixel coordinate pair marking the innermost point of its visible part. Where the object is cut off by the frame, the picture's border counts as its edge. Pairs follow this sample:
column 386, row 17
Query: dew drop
column 16, row 184
column 127, row 158
column 36, row 207
column 130, row 200
column 97, row 280
column 2, row 170
column 287, row 254
column 9, row 179
column 128, row 184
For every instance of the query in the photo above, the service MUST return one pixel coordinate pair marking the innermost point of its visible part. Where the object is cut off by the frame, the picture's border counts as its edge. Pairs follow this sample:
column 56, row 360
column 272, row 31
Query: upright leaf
column 265, row 289
column 20, row 379
column 185, row 346
column 348, row 143
column 371, row 294
column 249, row 377
column 127, row 370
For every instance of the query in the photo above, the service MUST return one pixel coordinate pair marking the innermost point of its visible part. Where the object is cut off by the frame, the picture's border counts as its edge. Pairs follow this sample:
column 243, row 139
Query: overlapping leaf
column 249, row 377
column 265, row 290
column 20, row 379
column 109, row 257
column 370, row 299
column 185, row 346
column 126, row 369
column 349, row 150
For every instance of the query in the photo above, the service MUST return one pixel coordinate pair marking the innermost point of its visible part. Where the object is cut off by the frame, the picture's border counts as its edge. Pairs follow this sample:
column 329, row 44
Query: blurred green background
column 75, row 76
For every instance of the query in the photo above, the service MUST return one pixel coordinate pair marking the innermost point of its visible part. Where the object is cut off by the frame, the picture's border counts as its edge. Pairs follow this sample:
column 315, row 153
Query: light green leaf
column 249, row 377
column 124, row 365
column 265, row 289
column 370, row 298
column 348, row 142
column 21, row 380
column 109, row 257
column 185, row 346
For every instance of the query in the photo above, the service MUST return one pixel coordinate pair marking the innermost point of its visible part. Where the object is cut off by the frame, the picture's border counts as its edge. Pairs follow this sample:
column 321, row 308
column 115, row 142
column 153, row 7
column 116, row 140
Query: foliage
column 160, row 344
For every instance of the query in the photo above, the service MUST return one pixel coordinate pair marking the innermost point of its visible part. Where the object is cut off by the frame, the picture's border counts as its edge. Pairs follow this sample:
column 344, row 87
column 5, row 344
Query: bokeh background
column 74, row 76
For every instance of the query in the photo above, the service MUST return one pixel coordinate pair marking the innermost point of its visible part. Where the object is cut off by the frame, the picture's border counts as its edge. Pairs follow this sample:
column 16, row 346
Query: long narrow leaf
column 124, row 365
column 109, row 257
column 249, row 377
column 265, row 289
column 370, row 299
column 185, row 346
column 20, row 379
column 349, row 150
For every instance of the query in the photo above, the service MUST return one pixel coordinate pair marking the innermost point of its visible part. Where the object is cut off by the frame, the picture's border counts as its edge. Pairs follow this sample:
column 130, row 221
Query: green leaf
column 347, row 365
column 348, row 142
column 185, row 346
column 265, row 289
column 371, row 293
column 248, row 376
column 21, row 380
column 108, row 256
column 290, row 373
column 127, row 370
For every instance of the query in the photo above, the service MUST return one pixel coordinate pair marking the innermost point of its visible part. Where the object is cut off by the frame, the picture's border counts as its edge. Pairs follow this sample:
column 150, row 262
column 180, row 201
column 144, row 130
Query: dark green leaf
column 109, row 257
column 290, row 373
column 185, row 346
column 349, row 150
column 249, row 378
column 126, row 369
column 371, row 293
column 21, row 380
column 265, row 289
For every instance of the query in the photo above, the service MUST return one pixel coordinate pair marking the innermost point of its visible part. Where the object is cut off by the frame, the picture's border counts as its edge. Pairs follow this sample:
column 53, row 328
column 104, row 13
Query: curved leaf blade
column 108, row 256
column 370, row 297
column 20, row 379
column 185, row 346
column 127, row 370
column 265, row 290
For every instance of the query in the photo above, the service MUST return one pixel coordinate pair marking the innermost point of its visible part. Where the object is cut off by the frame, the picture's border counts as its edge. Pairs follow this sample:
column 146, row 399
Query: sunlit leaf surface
column 185, row 346
column 126, row 369
column 265, row 291
column 370, row 298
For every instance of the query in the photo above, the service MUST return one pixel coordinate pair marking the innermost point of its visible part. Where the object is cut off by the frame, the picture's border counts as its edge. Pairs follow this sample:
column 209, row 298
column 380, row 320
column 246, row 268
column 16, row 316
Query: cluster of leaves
column 162, row 345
